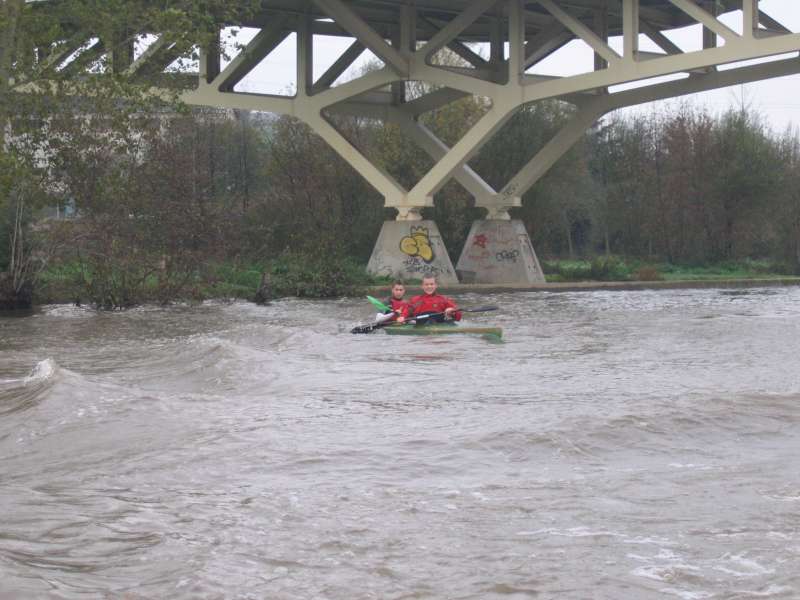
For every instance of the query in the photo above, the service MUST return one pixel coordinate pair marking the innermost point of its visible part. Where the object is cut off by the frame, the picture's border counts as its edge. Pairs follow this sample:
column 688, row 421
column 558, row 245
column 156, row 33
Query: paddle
column 412, row 321
column 378, row 304
column 384, row 309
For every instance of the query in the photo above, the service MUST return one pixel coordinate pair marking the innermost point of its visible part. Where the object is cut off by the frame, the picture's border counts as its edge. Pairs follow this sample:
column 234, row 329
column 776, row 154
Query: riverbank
column 297, row 276
column 291, row 275
column 241, row 292
column 580, row 286
column 616, row 273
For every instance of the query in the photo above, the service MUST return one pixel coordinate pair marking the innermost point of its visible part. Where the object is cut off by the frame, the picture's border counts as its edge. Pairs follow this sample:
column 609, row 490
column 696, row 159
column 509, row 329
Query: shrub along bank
column 293, row 274
column 309, row 276
column 613, row 268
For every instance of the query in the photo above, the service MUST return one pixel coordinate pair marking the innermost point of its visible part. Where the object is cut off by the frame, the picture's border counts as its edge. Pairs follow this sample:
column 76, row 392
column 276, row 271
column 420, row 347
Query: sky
column 776, row 100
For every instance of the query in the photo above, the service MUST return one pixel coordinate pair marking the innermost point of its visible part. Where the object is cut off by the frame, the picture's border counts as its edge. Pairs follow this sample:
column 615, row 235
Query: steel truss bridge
column 514, row 37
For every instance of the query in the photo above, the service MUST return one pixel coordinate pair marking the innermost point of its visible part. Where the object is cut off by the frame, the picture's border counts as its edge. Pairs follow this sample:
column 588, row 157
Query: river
column 631, row 444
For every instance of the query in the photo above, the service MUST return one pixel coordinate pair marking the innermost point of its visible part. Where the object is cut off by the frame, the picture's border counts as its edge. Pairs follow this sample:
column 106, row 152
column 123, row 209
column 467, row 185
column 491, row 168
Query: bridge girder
column 406, row 36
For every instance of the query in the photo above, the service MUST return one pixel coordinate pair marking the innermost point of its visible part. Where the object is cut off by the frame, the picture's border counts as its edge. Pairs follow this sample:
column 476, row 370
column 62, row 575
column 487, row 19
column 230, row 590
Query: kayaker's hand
column 401, row 319
column 448, row 313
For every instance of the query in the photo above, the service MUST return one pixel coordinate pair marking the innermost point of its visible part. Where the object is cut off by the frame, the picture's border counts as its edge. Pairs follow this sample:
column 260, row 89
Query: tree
column 788, row 215
column 34, row 94
column 317, row 203
column 748, row 171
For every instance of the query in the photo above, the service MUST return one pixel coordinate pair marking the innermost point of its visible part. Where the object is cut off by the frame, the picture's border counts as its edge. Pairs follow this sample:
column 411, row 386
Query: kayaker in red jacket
column 430, row 302
column 400, row 308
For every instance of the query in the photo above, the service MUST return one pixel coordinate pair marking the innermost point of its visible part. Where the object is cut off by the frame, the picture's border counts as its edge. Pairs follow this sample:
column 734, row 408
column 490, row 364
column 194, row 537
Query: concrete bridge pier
column 411, row 249
column 499, row 251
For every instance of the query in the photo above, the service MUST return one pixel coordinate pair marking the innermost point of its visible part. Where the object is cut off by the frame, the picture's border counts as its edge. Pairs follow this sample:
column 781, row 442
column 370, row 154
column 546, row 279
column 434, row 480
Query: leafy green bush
column 647, row 273
column 317, row 276
column 741, row 269
column 248, row 275
column 609, row 268
column 566, row 270
column 292, row 274
column 601, row 268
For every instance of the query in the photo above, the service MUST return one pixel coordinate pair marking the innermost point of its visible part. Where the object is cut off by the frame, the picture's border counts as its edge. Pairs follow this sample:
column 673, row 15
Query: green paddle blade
column 378, row 304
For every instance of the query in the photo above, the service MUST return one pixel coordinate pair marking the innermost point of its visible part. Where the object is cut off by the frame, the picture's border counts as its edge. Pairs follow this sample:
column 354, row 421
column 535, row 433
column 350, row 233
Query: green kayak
column 443, row 329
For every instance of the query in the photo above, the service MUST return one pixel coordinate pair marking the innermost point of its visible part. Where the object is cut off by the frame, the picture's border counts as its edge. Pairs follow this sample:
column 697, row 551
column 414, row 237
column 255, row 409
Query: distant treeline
column 162, row 197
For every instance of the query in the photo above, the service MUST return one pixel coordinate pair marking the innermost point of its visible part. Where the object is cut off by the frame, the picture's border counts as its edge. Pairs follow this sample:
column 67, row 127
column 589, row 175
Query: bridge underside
column 499, row 44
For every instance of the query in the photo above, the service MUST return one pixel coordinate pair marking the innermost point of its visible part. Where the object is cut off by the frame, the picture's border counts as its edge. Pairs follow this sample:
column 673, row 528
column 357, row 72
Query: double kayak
column 444, row 329
column 433, row 328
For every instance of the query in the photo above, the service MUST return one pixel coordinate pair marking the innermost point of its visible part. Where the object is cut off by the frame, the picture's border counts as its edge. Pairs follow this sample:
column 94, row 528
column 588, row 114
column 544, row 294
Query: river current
column 626, row 444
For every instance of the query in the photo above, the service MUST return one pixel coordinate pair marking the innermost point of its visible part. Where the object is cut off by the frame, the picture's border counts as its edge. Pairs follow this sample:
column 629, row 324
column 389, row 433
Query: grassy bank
column 325, row 277
column 620, row 269
column 290, row 275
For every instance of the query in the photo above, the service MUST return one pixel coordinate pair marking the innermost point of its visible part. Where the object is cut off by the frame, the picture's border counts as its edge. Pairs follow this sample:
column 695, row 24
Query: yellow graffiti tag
column 418, row 244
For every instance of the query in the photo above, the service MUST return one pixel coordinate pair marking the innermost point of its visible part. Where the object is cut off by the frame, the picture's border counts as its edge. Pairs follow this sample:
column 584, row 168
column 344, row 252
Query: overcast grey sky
column 777, row 100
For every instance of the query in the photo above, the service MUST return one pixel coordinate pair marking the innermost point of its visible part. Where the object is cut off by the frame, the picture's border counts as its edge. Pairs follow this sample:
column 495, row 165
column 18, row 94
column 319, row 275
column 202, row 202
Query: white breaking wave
column 43, row 371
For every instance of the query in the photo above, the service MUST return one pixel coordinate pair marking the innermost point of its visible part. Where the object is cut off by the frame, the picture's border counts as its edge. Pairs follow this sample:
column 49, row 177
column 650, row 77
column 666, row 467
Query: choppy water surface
column 617, row 445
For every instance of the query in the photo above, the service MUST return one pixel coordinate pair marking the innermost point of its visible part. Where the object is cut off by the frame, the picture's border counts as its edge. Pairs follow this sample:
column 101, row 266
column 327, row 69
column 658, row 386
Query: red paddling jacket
column 400, row 307
column 435, row 303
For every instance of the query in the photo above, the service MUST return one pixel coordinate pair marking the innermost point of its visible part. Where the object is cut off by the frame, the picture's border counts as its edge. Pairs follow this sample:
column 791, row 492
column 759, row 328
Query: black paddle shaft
column 373, row 326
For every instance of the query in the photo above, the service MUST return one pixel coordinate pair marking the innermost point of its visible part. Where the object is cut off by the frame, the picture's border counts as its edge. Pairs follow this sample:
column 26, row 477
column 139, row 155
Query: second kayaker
column 430, row 302
column 400, row 309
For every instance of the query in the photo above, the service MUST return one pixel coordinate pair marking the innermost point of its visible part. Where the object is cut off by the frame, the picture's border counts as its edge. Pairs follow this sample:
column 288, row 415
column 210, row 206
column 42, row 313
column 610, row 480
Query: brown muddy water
column 617, row 445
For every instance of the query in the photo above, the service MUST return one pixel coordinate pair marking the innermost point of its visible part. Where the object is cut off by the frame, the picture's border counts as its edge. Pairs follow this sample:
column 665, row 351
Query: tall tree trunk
column 797, row 245
column 729, row 238
column 17, row 262
column 14, row 285
column 568, row 231
column 245, row 170
column 244, row 166
column 10, row 11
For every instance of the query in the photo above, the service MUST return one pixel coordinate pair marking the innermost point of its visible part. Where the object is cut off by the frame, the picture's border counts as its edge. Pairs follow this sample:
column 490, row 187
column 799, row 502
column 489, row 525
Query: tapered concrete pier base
column 411, row 250
column 499, row 251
